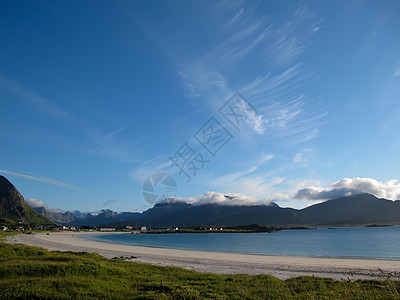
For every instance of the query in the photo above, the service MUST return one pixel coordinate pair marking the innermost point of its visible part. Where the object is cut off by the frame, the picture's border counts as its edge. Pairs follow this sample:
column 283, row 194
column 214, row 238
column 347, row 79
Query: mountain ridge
column 361, row 209
column 14, row 209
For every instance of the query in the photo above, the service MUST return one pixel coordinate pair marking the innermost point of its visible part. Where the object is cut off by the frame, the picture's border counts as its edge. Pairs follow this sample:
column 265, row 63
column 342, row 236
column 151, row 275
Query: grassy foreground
column 35, row 273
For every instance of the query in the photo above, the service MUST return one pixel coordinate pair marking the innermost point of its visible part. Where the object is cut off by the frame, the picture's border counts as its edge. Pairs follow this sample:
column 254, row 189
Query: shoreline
column 232, row 252
column 282, row 267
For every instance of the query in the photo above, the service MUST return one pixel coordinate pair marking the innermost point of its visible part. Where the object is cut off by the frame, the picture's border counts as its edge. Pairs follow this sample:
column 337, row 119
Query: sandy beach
column 282, row 267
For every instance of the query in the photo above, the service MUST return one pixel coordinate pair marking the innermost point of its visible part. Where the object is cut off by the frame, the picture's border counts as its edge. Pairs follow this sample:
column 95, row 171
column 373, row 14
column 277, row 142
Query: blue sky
column 98, row 95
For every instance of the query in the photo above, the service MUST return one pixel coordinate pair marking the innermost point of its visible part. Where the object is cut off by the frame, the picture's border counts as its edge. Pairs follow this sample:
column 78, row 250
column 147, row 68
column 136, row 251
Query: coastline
column 92, row 237
column 282, row 267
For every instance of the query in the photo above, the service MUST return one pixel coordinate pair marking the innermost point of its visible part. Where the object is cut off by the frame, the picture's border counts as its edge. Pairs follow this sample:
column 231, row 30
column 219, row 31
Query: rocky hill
column 13, row 208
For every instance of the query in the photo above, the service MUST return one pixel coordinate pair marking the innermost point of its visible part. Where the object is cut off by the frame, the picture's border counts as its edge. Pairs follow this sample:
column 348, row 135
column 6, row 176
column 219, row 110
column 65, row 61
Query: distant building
column 125, row 228
column 143, row 228
column 70, row 228
column 87, row 228
column 107, row 229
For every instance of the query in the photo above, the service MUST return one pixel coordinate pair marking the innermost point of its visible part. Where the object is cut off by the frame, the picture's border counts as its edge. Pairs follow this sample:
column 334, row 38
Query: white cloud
column 352, row 186
column 224, row 199
column 34, row 203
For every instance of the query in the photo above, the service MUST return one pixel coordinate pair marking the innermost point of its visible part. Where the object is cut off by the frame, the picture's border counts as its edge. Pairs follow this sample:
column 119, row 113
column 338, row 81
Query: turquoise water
column 347, row 242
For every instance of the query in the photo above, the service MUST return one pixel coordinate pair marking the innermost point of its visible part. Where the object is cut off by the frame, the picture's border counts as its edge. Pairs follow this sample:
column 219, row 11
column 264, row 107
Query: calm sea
column 347, row 242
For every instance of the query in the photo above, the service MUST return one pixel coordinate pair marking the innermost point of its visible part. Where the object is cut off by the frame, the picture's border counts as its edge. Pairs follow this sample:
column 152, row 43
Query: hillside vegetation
column 13, row 208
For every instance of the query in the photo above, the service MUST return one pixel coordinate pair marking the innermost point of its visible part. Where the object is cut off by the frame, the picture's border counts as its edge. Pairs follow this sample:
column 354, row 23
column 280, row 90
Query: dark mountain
column 363, row 209
column 266, row 215
column 353, row 210
column 106, row 217
column 59, row 218
column 155, row 216
column 76, row 218
column 14, row 208
column 182, row 214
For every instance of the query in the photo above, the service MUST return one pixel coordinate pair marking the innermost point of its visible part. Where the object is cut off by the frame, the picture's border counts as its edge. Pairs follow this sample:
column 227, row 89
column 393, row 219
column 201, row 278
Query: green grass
column 35, row 273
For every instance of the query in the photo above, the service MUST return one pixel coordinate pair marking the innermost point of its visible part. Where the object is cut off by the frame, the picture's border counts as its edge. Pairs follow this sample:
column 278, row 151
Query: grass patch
column 5, row 234
column 34, row 273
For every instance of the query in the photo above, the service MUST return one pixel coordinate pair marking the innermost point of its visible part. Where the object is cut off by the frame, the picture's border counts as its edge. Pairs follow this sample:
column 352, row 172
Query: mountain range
column 362, row 209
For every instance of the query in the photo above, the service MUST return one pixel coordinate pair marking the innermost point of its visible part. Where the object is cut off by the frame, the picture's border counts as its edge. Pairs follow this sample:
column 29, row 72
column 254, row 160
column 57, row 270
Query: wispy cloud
column 106, row 144
column 259, row 56
column 235, row 18
column 160, row 164
column 116, row 145
column 291, row 38
column 109, row 202
column 253, row 42
column 304, row 157
column 256, row 185
column 41, row 179
column 252, row 181
column 293, row 121
column 40, row 103
column 397, row 72
column 272, row 86
column 264, row 157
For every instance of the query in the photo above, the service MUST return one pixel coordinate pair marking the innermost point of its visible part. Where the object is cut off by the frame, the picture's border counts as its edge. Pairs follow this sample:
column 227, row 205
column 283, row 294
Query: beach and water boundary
column 282, row 267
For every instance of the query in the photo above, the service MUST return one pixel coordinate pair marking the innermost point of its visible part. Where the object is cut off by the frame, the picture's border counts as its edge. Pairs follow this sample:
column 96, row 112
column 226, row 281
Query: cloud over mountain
column 352, row 186
column 34, row 203
column 223, row 199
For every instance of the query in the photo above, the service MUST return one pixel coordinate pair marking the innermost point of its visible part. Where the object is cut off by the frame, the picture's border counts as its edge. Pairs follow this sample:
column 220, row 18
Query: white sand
column 282, row 267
